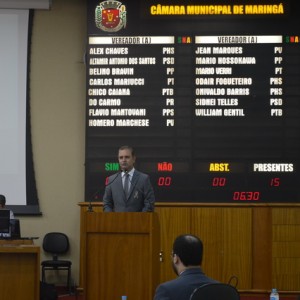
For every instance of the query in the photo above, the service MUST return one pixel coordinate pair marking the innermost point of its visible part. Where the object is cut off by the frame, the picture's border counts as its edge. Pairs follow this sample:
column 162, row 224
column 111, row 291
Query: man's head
column 187, row 252
column 2, row 201
column 126, row 157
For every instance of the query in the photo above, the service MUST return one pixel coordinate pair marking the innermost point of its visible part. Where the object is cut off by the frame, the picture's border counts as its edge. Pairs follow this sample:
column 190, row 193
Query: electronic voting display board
column 207, row 92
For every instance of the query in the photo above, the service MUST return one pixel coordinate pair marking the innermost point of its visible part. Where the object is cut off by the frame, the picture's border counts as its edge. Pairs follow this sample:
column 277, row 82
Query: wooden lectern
column 120, row 253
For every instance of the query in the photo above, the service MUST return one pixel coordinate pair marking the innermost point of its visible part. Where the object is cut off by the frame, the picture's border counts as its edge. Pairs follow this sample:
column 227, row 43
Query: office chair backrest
column 56, row 243
column 215, row 291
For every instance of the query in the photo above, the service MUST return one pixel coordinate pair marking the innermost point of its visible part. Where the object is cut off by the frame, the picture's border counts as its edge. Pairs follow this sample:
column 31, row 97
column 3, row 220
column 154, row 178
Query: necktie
column 126, row 185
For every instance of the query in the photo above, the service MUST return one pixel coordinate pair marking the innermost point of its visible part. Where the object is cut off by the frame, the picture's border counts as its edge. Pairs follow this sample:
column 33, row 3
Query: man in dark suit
column 186, row 261
column 11, row 215
column 128, row 190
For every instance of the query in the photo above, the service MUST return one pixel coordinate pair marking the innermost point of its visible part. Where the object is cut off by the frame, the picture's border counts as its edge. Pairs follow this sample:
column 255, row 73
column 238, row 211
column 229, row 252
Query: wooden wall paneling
column 286, row 248
column 286, row 275
column 286, row 215
column 226, row 235
column 237, row 243
column 173, row 222
column 262, row 250
column 207, row 223
column 259, row 244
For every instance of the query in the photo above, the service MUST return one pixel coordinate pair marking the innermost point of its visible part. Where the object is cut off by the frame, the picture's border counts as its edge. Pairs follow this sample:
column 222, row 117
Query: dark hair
column 189, row 248
column 125, row 147
column 2, row 200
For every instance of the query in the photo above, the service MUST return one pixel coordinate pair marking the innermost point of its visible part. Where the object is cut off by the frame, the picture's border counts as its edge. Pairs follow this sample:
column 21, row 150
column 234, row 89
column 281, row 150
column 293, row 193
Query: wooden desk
column 16, row 242
column 19, row 272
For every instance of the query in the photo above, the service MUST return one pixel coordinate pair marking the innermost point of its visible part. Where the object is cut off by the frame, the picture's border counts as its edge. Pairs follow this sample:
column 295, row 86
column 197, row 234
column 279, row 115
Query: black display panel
column 207, row 93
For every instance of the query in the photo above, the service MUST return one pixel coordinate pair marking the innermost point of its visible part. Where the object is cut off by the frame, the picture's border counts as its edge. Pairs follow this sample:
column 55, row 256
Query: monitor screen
column 4, row 220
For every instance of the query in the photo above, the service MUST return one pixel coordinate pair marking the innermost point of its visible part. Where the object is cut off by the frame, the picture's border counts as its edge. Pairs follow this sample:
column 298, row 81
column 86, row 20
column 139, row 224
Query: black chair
column 215, row 291
column 56, row 243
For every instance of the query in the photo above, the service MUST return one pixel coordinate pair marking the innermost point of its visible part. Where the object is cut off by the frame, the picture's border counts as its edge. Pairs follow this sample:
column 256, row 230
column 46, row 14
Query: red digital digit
column 168, row 181
column 256, row 196
column 275, row 181
column 164, row 181
column 219, row 181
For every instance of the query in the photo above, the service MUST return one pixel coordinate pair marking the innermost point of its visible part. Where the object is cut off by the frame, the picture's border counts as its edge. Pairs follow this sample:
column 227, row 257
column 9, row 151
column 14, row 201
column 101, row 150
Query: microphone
column 90, row 207
column 125, row 170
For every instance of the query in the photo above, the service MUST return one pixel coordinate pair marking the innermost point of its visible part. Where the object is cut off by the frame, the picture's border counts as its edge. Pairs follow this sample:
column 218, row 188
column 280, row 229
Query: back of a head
column 189, row 248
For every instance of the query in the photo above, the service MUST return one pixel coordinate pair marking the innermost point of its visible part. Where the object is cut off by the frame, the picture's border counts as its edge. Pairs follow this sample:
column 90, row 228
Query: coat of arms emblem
column 110, row 16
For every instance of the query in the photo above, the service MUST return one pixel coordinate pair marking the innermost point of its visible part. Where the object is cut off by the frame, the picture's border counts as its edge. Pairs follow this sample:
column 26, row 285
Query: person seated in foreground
column 186, row 262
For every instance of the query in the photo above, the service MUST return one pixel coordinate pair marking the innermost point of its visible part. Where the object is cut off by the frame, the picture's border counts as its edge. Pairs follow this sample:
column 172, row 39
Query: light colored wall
column 57, row 97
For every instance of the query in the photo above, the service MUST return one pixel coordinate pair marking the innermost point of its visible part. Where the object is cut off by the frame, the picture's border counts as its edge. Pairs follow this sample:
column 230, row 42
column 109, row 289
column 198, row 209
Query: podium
column 120, row 255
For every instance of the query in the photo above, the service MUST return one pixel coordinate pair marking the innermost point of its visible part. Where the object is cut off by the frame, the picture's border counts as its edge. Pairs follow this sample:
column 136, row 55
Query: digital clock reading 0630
column 208, row 97
column 246, row 196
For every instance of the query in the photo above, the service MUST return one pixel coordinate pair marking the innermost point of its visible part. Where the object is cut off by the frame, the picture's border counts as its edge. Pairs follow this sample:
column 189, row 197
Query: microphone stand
column 90, row 207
